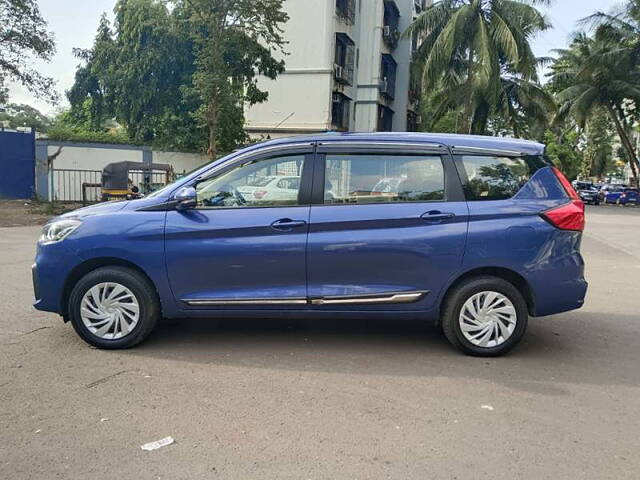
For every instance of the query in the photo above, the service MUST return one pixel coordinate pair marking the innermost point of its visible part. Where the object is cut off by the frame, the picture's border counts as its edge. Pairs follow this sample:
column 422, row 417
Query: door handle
column 286, row 224
column 435, row 216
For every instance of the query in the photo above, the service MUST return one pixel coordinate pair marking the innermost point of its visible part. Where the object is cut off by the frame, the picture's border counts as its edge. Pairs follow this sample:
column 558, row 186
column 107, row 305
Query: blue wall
column 17, row 164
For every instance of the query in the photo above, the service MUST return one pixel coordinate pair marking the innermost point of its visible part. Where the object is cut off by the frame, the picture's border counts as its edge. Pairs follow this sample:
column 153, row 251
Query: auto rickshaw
column 117, row 183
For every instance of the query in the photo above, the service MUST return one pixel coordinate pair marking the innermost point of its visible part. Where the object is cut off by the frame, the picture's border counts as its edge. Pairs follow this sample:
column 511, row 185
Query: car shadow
column 580, row 347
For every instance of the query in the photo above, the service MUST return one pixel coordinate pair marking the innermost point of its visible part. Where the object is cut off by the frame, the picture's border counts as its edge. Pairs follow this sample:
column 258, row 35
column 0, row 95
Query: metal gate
column 17, row 164
column 85, row 185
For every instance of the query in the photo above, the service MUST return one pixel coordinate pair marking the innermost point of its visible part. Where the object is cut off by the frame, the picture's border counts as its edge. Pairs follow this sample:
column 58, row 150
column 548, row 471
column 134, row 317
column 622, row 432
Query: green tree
column 24, row 34
column 234, row 42
column 137, row 73
column 593, row 75
column 18, row 115
column 563, row 148
column 598, row 152
column 476, row 55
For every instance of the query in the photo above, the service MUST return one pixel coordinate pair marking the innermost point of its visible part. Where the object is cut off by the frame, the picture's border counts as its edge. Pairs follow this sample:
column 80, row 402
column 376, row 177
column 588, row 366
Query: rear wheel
column 485, row 316
column 113, row 308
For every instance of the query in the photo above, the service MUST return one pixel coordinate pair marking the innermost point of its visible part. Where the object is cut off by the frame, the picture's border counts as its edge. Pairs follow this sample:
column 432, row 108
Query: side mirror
column 185, row 198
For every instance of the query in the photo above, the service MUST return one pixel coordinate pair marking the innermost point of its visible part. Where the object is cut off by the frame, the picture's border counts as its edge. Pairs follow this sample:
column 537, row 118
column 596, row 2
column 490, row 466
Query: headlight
column 58, row 230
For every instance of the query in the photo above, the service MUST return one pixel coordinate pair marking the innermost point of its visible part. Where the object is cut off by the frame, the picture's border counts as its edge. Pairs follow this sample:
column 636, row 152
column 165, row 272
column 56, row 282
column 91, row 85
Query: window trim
column 306, row 178
column 452, row 187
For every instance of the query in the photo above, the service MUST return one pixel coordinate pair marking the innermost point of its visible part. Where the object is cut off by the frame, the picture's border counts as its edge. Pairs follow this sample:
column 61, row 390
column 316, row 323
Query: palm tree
column 477, row 54
column 596, row 74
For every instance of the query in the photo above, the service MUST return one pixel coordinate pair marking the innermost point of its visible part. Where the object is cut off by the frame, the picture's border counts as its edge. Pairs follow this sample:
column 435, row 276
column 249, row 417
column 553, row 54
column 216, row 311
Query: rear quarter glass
column 492, row 177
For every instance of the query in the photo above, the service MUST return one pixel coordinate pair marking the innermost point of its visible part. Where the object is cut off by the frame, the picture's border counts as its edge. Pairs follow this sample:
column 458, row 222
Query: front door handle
column 286, row 224
column 436, row 216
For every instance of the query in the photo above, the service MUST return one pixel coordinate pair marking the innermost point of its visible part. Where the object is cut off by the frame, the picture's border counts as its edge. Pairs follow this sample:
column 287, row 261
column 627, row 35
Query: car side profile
column 474, row 234
column 622, row 196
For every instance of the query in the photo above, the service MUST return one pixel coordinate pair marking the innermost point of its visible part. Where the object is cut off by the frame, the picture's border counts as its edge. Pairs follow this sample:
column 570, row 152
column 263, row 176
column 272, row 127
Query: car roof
column 449, row 140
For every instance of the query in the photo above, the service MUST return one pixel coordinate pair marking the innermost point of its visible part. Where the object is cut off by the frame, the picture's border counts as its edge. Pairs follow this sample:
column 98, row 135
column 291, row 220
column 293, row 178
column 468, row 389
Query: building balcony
column 388, row 77
column 391, row 29
column 346, row 9
column 340, row 107
column 344, row 59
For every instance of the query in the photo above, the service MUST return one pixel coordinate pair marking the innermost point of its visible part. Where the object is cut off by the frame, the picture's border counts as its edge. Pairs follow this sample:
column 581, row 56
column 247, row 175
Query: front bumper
column 52, row 267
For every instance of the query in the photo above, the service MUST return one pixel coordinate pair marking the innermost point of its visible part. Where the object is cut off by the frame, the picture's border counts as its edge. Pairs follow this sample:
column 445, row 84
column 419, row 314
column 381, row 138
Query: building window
column 391, row 30
column 340, row 111
column 344, row 60
column 346, row 9
column 385, row 119
column 388, row 76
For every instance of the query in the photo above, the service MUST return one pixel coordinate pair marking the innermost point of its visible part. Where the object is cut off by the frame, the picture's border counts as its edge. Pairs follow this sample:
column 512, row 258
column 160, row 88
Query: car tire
column 134, row 299
column 475, row 288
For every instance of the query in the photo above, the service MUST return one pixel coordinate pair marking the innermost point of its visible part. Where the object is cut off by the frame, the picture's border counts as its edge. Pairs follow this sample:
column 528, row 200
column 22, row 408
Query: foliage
column 596, row 75
column 23, row 33
column 233, row 42
column 598, row 152
column 476, row 57
column 563, row 148
column 66, row 127
column 18, row 115
column 177, row 74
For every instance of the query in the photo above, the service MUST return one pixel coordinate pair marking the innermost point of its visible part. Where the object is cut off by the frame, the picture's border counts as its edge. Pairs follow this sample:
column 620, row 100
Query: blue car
column 475, row 234
column 622, row 195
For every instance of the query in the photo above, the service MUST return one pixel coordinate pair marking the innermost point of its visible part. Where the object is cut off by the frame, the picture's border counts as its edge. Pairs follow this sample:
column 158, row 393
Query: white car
column 271, row 188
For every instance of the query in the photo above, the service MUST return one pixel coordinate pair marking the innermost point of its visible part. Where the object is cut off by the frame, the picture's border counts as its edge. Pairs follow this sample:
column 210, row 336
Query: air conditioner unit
column 336, row 98
column 338, row 71
column 386, row 30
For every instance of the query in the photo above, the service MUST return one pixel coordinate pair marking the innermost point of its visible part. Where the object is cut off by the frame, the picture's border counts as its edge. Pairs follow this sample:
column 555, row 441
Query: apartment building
column 347, row 69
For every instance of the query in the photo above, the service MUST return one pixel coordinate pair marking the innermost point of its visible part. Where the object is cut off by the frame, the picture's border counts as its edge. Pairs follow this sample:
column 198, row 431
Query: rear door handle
column 286, row 224
column 435, row 216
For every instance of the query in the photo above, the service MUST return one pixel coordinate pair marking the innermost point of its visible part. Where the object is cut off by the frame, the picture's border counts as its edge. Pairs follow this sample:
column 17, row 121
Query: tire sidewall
column 140, row 289
column 468, row 290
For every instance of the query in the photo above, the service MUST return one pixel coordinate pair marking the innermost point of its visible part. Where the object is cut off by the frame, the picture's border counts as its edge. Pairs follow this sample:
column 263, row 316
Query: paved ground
column 302, row 400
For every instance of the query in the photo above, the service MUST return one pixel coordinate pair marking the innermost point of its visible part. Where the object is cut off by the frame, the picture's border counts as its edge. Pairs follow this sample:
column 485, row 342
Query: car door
column 388, row 226
column 236, row 250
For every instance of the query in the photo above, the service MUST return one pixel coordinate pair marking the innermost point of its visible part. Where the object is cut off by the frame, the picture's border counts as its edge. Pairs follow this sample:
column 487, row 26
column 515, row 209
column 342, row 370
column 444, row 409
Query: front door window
column 274, row 182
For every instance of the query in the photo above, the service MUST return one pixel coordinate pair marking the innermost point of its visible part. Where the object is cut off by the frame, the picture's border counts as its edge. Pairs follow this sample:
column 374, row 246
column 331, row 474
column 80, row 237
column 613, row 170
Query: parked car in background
column 607, row 188
column 588, row 192
column 625, row 196
column 475, row 234
column 611, row 193
column 271, row 188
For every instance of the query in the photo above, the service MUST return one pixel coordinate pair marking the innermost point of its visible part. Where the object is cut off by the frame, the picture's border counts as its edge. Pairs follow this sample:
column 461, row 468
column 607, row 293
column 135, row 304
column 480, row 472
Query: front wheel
column 113, row 307
column 485, row 317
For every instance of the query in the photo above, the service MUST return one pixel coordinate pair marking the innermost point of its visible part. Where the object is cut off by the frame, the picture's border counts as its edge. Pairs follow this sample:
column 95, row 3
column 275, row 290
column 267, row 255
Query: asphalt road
column 328, row 400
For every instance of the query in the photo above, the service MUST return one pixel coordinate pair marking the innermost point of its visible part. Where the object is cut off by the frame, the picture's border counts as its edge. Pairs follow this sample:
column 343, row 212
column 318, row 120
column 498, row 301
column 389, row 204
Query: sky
column 74, row 24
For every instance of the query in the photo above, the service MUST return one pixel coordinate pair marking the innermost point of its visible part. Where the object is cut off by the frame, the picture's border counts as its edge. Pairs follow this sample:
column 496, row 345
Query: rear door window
column 378, row 178
column 494, row 177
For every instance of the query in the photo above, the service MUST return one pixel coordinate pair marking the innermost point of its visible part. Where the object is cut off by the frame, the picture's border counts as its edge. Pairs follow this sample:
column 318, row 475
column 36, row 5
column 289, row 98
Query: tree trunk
column 466, row 120
column 626, row 142
column 212, row 124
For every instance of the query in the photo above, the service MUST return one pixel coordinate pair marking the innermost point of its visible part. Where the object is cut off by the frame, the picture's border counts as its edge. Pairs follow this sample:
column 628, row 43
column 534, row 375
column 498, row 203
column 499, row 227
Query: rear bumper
column 569, row 295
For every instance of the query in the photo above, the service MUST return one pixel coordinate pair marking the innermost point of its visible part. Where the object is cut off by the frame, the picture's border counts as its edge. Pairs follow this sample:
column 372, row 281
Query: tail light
column 259, row 194
column 569, row 216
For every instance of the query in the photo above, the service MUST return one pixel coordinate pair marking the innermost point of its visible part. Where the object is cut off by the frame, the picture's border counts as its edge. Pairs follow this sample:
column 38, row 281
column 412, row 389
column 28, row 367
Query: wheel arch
column 87, row 266
column 506, row 274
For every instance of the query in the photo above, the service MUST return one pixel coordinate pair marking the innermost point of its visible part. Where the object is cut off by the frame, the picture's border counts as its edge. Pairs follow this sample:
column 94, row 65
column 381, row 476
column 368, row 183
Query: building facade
column 347, row 69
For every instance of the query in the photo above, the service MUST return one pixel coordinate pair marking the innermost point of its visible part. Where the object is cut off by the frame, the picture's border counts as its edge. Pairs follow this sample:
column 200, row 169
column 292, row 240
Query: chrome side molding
column 371, row 299
column 396, row 297
column 248, row 301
